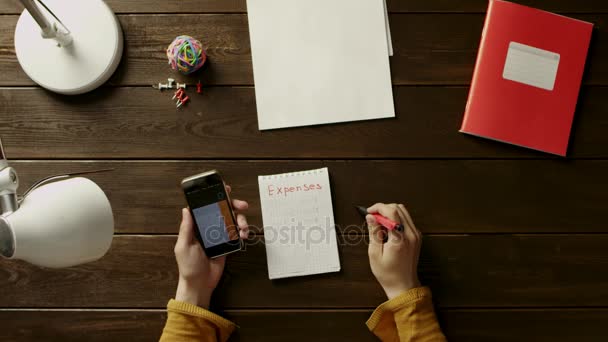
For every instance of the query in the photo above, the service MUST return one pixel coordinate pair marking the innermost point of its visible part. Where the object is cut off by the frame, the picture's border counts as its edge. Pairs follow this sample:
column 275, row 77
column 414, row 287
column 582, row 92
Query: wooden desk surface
column 515, row 241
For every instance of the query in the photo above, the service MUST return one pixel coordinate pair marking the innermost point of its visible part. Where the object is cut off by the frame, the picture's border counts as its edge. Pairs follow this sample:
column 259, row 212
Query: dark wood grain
column 239, row 6
column 429, row 49
column 463, row 271
column 525, row 325
column 142, row 123
column 443, row 196
column 91, row 326
column 470, row 6
column 491, row 285
column 295, row 325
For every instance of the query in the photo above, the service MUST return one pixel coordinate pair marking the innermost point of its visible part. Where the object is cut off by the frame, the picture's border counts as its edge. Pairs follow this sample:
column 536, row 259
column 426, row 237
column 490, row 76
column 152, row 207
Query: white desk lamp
column 56, row 223
column 68, row 46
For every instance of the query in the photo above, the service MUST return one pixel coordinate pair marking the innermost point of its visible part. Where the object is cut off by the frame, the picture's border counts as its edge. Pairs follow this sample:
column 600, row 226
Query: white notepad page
column 320, row 61
column 299, row 230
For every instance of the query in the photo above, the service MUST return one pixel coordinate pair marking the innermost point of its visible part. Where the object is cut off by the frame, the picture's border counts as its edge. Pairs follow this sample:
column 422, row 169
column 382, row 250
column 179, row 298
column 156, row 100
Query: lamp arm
column 49, row 29
column 36, row 13
column 9, row 182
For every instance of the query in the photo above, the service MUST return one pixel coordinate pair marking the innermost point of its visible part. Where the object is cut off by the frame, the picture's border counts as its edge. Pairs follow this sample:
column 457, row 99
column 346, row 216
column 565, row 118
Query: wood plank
column 239, row 6
column 464, row 271
column 525, row 325
column 480, row 6
column 443, row 196
column 429, row 49
column 327, row 325
column 141, row 123
column 89, row 326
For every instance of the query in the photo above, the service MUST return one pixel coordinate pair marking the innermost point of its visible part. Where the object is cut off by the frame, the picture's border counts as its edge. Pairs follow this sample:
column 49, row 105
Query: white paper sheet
column 532, row 66
column 298, row 218
column 388, row 31
column 320, row 61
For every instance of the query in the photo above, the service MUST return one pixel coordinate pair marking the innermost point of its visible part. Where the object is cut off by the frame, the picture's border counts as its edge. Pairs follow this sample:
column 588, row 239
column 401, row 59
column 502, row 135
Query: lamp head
column 59, row 224
column 7, row 243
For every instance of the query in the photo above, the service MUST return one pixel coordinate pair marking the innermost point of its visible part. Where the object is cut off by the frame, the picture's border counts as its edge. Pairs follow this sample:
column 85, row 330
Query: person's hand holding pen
column 394, row 263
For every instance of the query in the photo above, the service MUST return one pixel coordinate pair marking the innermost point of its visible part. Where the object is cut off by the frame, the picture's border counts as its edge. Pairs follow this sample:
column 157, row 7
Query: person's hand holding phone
column 198, row 274
column 394, row 263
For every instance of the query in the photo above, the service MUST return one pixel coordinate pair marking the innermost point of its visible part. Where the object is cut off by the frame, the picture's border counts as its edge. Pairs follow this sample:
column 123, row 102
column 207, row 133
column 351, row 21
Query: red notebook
column 527, row 77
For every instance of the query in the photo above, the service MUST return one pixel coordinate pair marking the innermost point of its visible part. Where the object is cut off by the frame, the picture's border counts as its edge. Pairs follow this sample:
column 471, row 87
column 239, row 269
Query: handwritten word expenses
column 274, row 190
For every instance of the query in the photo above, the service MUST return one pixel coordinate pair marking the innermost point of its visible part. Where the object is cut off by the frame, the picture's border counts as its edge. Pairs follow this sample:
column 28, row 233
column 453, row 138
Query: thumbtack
column 171, row 81
column 178, row 94
column 199, row 87
column 180, row 85
column 182, row 101
column 160, row 86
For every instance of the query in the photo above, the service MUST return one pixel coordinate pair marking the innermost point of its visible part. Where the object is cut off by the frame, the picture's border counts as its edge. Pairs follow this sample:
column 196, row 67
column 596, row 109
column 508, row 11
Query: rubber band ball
column 186, row 54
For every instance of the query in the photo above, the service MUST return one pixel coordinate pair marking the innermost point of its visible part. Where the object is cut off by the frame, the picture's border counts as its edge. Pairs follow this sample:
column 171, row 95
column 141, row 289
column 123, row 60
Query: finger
column 394, row 236
column 402, row 218
column 241, row 220
column 240, row 205
column 228, row 188
column 218, row 264
column 186, row 228
column 244, row 233
column 409, row 232
column 409, row 221
column 386, row 210
column 374, row 208
column 375, row 237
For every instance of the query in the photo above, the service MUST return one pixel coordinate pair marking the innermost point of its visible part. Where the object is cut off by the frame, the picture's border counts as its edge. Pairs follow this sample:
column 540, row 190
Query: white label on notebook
column 532, row 66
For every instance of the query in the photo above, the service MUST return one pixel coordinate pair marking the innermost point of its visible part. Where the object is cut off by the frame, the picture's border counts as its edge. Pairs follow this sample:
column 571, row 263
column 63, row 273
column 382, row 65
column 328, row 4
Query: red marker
column 383, row 221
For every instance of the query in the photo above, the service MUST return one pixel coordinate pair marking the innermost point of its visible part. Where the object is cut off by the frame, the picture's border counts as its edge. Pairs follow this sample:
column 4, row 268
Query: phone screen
column 212, row 214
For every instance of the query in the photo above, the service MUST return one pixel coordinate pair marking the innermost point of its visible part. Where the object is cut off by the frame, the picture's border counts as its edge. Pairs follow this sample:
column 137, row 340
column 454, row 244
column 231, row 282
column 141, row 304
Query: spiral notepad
column 299, row 229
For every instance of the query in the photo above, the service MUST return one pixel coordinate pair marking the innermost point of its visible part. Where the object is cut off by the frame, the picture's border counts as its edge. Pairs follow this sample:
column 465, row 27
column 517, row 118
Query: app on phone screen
column 215, row 224
column 212, row 215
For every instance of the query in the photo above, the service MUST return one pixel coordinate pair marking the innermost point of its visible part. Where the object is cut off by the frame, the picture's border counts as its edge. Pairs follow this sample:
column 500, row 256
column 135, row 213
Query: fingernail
column 369, row 219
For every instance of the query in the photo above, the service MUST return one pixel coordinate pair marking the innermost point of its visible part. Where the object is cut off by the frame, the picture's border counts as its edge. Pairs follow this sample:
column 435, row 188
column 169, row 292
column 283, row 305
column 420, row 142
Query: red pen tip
column 362, row 210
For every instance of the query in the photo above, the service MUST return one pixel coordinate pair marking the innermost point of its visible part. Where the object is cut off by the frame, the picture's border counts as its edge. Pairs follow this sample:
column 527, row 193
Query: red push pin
column 178, row 94
column 181, row 101
column 199, row 87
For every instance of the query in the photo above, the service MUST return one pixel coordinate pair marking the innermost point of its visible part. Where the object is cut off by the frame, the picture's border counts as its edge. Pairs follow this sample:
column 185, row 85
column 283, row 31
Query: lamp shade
column 62, row 224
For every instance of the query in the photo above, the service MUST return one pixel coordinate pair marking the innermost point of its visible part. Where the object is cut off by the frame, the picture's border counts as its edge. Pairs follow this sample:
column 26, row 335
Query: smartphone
column 215, row 223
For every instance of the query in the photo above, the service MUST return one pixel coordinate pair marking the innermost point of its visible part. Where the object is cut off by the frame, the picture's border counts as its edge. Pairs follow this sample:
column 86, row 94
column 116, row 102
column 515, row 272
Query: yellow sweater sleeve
column 187, row 322
column 408, row 317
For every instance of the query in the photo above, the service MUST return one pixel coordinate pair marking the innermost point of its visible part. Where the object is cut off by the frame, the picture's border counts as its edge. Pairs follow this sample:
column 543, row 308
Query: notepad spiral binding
column 292, row 174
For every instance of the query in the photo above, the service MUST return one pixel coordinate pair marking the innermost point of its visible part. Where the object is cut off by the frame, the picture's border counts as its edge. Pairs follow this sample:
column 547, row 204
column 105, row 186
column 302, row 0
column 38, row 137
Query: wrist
column 395, row 291
column 193, row 294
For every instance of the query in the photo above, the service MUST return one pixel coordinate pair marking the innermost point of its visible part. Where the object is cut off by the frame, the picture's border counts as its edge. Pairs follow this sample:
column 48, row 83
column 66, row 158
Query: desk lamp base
column 80, row 67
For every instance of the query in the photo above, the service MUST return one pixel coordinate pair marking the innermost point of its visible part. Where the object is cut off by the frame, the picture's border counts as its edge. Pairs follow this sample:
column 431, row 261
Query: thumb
column 186, row 228
column 375, row 237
